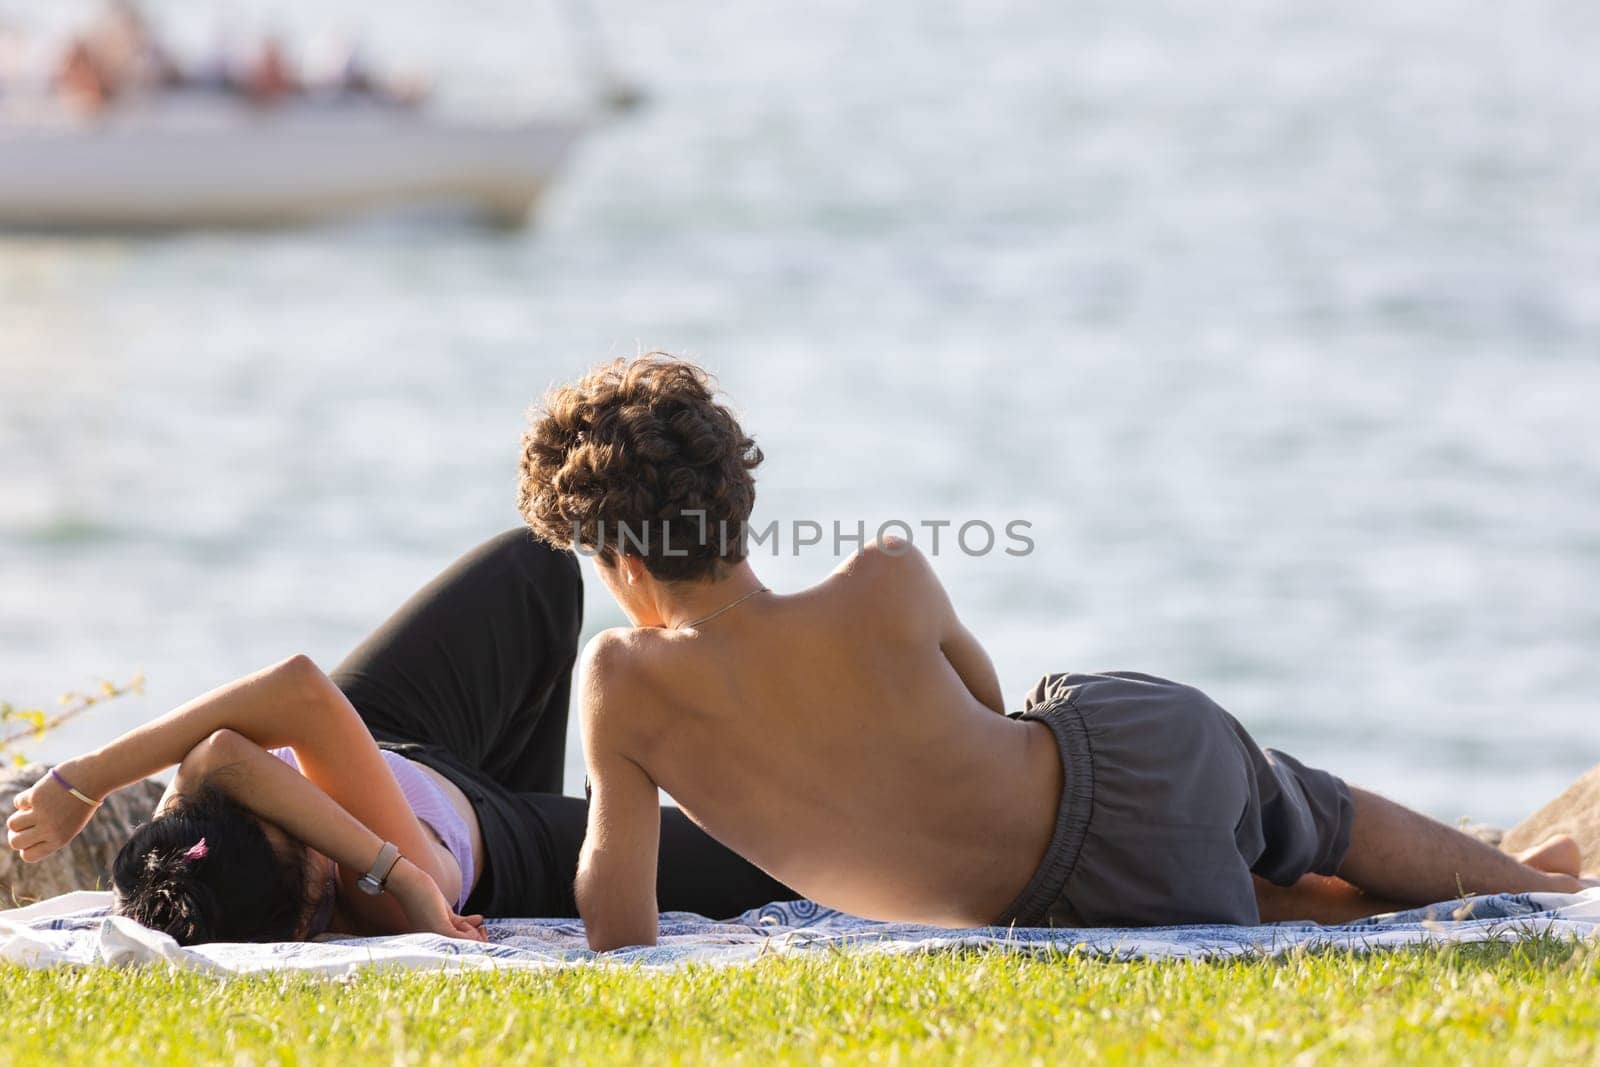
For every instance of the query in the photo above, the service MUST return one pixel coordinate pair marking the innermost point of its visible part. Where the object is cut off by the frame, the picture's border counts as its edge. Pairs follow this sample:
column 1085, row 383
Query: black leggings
column 471, row 677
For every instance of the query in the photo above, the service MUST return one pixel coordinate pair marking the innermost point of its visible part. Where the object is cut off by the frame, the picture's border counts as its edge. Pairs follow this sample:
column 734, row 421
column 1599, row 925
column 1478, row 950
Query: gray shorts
column 1168, row 807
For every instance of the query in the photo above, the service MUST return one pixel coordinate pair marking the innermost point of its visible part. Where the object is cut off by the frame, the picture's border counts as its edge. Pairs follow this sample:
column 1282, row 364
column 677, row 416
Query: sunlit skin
column 341, row 806
column 893, row 774
column 849, row 739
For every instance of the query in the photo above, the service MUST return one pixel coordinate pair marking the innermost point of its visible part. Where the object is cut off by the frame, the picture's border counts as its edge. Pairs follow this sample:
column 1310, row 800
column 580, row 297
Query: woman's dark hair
column 205, row 871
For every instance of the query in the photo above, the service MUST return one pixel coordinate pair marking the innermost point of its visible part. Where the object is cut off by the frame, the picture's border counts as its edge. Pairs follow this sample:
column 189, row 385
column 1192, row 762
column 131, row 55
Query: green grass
column 1532, row 1002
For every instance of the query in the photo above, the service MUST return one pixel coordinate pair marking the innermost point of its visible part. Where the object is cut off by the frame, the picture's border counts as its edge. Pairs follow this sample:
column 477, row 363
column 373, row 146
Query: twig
column 18, row 724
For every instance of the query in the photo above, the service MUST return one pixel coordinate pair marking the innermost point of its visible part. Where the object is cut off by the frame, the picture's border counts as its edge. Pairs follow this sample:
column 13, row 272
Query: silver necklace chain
column 719, row 611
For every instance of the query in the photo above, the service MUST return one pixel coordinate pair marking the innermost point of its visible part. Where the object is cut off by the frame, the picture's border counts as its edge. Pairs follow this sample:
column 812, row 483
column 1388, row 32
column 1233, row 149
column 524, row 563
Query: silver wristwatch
column 377, row 877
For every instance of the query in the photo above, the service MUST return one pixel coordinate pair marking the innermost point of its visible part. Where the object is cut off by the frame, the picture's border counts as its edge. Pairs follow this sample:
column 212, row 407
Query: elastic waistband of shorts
column 1072, row 816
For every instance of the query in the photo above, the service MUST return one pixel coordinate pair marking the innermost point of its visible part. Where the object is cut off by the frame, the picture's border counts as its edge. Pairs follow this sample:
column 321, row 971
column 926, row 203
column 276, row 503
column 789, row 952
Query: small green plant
column 18, row 725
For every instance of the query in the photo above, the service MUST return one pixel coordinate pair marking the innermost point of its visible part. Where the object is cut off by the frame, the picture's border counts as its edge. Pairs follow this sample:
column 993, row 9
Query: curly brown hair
column 639, row 457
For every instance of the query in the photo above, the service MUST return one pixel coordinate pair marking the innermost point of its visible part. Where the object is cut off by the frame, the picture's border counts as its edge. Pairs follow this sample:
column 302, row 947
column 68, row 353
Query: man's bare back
column 850, row 738
column 854, row 760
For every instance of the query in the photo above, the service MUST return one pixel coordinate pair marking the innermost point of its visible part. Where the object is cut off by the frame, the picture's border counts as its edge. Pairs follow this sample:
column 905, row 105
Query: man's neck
column 687, row 604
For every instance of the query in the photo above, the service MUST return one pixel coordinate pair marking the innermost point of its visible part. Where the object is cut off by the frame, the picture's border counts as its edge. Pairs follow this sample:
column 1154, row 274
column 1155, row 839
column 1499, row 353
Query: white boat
column 199, row 162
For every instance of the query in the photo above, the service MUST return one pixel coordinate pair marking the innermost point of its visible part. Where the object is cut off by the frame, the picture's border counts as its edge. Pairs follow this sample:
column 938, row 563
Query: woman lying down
column 417, row 789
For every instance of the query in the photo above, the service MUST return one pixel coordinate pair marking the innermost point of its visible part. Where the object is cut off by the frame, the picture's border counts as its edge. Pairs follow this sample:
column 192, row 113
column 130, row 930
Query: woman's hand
column 47, row 819
column 425, row 906
column 275, row 792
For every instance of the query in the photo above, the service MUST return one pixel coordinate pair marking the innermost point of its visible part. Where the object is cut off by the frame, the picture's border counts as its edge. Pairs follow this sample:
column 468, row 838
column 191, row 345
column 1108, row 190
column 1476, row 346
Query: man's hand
column 426, row 909
column 46, row 819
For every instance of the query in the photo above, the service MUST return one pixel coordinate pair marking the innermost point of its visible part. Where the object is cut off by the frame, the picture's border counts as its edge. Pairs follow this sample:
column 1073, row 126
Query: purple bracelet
column 69, row 787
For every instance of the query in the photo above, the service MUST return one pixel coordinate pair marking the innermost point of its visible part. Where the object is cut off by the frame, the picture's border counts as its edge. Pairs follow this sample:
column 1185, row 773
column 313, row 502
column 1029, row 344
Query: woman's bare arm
column 291, row 704
column 277, row 793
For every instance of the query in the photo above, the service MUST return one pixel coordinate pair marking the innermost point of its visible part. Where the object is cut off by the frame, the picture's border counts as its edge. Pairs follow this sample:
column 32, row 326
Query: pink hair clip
column 197, row 851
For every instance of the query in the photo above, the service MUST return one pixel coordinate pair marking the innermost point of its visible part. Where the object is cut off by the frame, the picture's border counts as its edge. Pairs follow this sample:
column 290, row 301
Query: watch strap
column 377, row 876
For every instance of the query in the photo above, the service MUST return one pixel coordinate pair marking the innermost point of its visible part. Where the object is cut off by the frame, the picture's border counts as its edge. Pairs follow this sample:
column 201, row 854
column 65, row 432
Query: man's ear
column 633, row 568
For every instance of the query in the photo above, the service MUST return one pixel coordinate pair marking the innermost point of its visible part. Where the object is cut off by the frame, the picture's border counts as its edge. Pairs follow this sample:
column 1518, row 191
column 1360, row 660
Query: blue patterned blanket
column 76, row 929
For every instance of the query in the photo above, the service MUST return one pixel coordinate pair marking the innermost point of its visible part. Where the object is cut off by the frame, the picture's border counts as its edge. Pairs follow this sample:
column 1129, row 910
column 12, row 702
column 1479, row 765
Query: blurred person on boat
column 130, row 51
column 337, row 71
column 116, row 57
column 82, row 81
column 271, row 78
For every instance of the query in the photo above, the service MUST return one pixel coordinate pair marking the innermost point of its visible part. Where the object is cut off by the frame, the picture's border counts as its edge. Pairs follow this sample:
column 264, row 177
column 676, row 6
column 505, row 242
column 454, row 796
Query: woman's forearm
column 275, row 792
column 291, row 704
column 272, row 790
column 257, row 706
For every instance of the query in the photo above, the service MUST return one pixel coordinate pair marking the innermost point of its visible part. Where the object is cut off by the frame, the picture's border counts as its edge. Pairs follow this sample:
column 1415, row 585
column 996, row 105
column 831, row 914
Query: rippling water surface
column 1280, row 324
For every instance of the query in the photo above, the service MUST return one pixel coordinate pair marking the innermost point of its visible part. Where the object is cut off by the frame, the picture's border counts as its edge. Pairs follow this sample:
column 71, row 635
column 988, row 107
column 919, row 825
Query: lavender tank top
column 431, row 807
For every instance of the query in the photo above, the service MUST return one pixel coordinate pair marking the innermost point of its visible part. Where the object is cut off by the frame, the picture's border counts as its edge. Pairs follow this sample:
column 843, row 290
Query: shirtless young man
column 851, row 739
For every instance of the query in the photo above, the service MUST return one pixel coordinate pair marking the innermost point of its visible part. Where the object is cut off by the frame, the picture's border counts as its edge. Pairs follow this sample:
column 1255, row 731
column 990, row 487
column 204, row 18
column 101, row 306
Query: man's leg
column 1558, row 852
column 1398, row 854
column 1334, row 900
column 1320, row 899
column 1328, row 852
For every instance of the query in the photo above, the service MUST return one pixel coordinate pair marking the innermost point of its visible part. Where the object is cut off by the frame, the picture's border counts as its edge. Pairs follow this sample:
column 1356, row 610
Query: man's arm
column 904, row 574
column 970, row 661
column 616, row 887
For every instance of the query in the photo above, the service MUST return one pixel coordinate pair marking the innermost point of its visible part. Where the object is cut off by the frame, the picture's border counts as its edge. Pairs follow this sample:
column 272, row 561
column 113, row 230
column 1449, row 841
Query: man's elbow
column 608, row 926
column 605, row 939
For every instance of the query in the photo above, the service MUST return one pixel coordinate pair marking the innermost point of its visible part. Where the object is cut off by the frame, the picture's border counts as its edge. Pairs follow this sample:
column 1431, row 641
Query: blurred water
column 1280, row 323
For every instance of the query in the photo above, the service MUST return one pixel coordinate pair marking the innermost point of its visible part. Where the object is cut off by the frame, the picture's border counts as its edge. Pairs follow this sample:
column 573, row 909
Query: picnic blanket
column 78, row 929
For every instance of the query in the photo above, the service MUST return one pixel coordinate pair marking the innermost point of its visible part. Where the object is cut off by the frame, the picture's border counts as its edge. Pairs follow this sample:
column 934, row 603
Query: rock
column 86, row 862
column 1575, row 812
